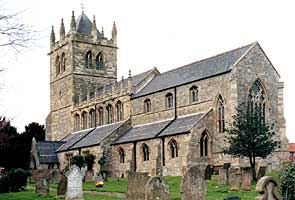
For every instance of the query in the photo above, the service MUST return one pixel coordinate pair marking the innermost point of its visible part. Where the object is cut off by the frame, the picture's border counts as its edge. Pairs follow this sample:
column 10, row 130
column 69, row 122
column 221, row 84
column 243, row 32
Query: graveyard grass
column 213, row 191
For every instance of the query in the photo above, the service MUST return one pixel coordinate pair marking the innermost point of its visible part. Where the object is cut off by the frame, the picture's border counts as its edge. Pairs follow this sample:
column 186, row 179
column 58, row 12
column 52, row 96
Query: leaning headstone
column 223, row 176
column 208, row 172
column 74, row 187
column 42, row 187
column 156, row 188
column 193, row 184
column 261, row 172
column 62, row 186
column 268, row 189
column 235, row 178
column 246, row 178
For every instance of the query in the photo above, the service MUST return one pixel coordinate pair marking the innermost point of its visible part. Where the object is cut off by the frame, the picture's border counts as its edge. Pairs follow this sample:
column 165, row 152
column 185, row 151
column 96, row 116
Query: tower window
column 57, row 65
column 147, row 105
column 110, row 114
column 146, row 153
column 204, row 144
column 77, row 122
column 88, row 60
column 119, row 111
column 169, row 100
column 99, row 61
column 194, row 94
column 100, row 116
column 84, row 120
column 173, row 149
column 220, row 115
column 63, row 62
column 121, row 155
column 92, row 118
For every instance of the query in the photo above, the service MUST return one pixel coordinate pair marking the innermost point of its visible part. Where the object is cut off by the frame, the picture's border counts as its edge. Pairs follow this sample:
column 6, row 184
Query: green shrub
column 89, row 159
column 287, row 181
column 17, row 179
column 4, row 183
column 78, row 160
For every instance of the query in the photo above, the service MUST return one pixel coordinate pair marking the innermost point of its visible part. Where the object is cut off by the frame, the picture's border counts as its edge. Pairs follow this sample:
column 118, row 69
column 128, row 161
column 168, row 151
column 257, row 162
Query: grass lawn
column 213, row 191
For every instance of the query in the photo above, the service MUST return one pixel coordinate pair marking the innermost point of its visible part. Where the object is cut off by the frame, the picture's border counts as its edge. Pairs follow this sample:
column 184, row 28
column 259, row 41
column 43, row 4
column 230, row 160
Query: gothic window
column 109, row 114
column 99, row 61
column 169, row 100
column 194, row 94
column 63, row 62
column 121, row 155
column 119, row 111
column 57, row 65
column 173, row 149
column 88, row 60
column 147, row 105
column 77, row 122
column 92, row 118
column 146, row 153
column 220, row 115
column 256, row 100
column 84, row 120
column 204, row 143
column 100, row 116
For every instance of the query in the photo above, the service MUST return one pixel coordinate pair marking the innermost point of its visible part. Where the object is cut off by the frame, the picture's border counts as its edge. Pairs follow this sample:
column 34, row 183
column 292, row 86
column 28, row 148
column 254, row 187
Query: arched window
column 100, row 116
column 173, row 148
column 169, row 100
column 194, row 94
column 145, row 151
column 63, row 62
column 88, row 60
column 147, row 106
column 84, row 120
column 121, row 155
column 119, row 111
column 92, row 118
column 77, row 122
column 57, row 65
column 109, row 114
column 99, row 61
column 204, row 143
column 220, row 114
column 256, row 100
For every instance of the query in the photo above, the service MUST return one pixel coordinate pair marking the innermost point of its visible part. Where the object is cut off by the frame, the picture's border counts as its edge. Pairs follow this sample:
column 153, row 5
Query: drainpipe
column 134, row 154
column 95, row 109
column 163, row 151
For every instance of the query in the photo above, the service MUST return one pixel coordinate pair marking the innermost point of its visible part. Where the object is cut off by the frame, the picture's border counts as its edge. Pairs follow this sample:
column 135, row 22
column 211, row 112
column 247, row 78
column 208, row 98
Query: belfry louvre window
column 77, row 122
column 173, row 149
column 119, row 111
column 92, row 118
column 204, row 144
column 194, row 94
column 256, row 100
column 109, row 114
column 88, row 60
column 220, row 115
column 63, row 62
column 147, row 105
column 121, row 155
column 84, row 120
column 57, row 65
column 169, row 100
column 100, row 116
column 146, row 153
column 99, row 61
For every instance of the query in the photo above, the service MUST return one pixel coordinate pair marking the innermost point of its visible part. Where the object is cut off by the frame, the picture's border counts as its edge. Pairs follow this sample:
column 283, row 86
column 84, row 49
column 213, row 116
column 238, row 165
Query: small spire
column 62, row 29
column 94, row 24
column 102, row 32
column 122, row 78
column 130, row 88
column 52, row 36
column 129, row 73
column 73, row 22
column 114, row 34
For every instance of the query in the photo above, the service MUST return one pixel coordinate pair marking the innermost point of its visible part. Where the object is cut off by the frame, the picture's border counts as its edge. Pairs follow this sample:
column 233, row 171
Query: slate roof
column 195, row 71
column 97, row 135
column 182, row 124
column 73, row 138
column 46, row 151
column 84, row 25
column 142, row 132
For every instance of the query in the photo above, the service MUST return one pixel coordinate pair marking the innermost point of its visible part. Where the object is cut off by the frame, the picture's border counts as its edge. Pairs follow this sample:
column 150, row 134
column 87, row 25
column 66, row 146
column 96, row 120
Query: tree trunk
column 252, row 164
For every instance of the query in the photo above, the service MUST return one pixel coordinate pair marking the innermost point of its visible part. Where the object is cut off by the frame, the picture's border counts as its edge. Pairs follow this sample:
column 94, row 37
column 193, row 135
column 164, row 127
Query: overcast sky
column 165, row 34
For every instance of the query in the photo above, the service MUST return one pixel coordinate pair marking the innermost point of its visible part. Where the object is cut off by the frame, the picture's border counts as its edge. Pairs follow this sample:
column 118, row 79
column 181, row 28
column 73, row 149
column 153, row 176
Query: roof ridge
column 211, row 57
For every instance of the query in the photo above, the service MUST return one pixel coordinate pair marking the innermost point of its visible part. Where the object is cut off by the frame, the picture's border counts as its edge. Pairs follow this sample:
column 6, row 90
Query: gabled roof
column 195, row 71
column 96, row 136
column 84, row 25
column 46, row 151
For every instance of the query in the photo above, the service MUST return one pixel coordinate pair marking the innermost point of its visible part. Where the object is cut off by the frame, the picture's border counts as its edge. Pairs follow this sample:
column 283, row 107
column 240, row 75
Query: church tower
column 80, row 62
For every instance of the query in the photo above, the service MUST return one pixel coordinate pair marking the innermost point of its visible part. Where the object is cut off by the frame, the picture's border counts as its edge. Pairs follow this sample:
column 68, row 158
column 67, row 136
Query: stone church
column 153, row 120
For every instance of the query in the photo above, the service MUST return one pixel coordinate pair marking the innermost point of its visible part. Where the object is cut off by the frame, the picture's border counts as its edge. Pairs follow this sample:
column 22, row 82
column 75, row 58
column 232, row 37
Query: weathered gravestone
column 261, row 171
column 136, row 182
column 42, row 187
column 62, row 186
column 74, row 187
column 89, row 175
column 223, row 174
column 208, row 172
column 235, row 178
column 268, row 189
column 246, row 178
column 193, row 184
column 156, row 188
